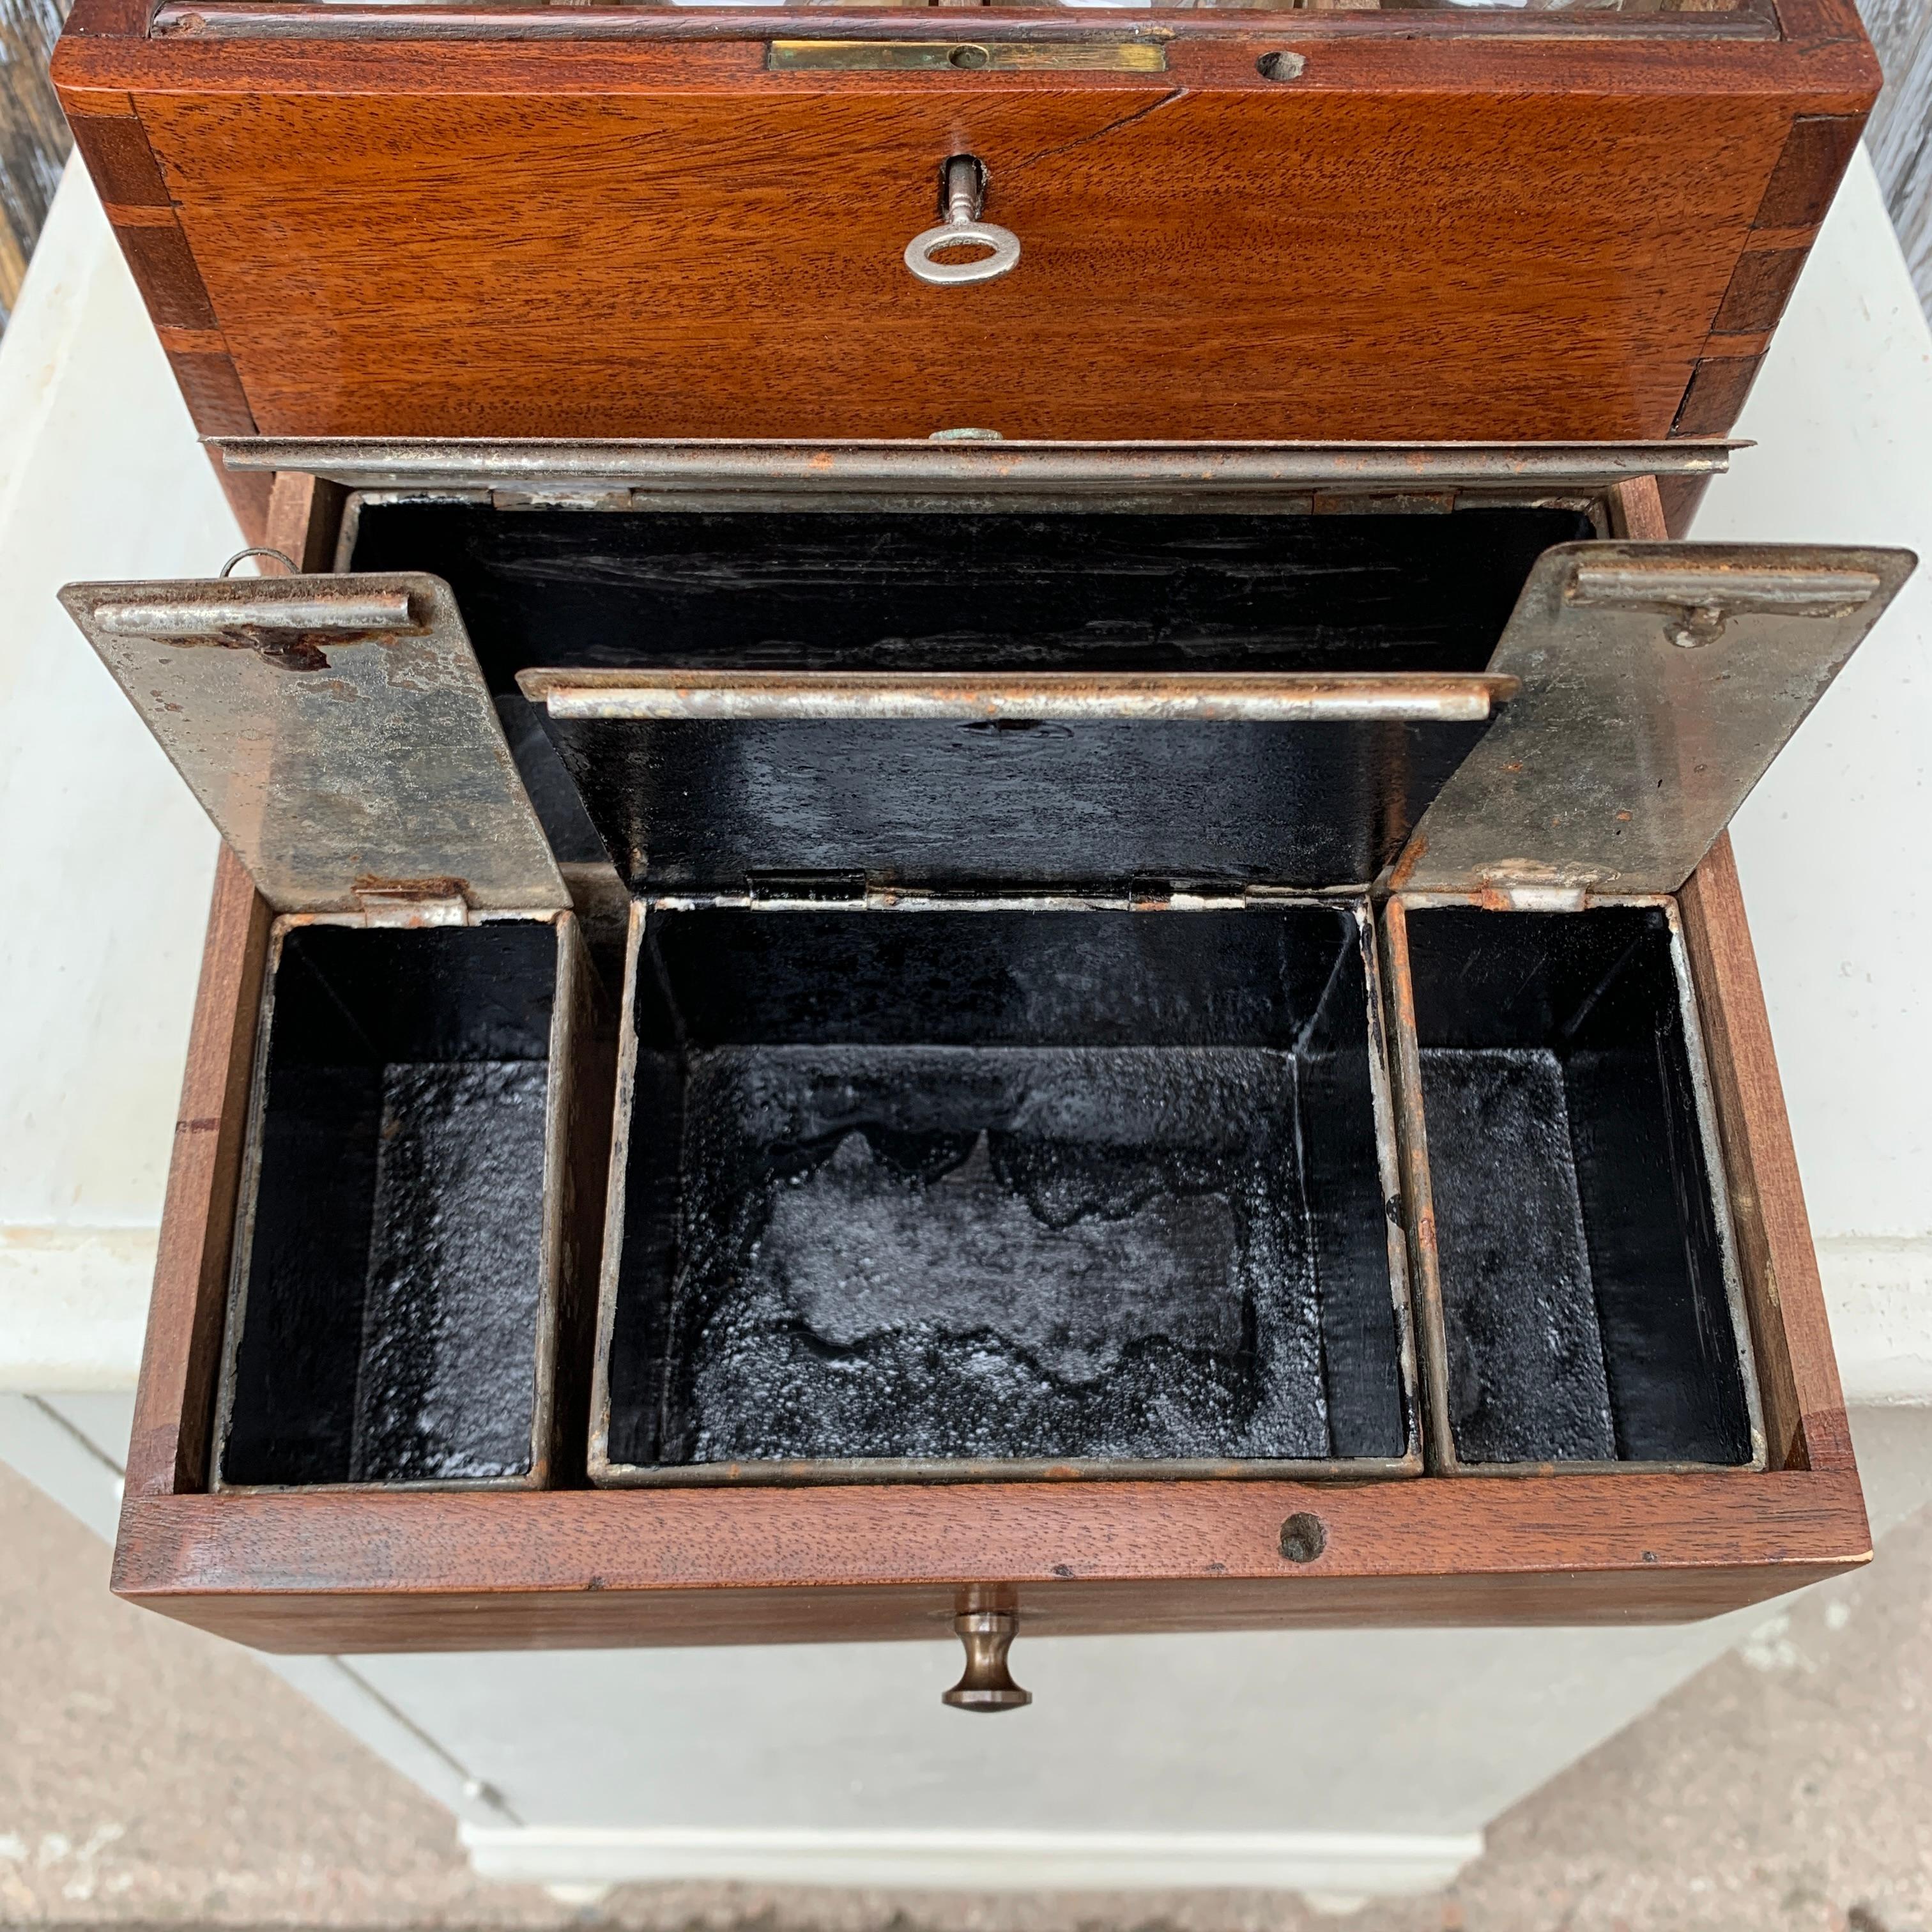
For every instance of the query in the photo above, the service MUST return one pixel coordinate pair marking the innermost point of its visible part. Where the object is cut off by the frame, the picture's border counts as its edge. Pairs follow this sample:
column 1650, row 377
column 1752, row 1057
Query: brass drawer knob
column 965, row 187
column 986, row 1684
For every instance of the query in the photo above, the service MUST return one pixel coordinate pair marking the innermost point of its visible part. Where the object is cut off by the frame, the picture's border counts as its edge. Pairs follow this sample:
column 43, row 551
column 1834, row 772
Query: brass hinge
column 1117, row 56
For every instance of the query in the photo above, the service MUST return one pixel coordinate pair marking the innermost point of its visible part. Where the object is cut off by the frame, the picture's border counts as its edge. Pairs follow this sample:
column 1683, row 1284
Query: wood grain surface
column 114, row 144
column 174, row 1402
column 1798, row 1373
column 1417, row 240
column 304, row 515
column 343, row 1571
column 579, row 1567
column 1636, row 511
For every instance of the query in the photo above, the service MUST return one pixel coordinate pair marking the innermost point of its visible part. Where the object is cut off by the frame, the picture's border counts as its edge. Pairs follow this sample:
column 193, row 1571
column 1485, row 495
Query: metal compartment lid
column 1657, row 683
column 338, row 731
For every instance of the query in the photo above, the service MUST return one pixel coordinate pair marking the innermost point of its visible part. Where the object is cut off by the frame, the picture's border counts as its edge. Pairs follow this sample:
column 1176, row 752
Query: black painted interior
column 846, row 590
column 964, row 1184
column 1000, row 808
column 390, row 1327
column 1582, row 1271
column 976, row 1184
column 699, row 806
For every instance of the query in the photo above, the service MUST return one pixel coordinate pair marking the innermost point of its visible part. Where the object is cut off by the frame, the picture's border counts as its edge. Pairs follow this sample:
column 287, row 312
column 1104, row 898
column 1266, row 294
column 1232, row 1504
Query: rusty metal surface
column 1658, row 681
column 1046, row 472
column 336, row 730
column 240, row 608
column 1046, row 697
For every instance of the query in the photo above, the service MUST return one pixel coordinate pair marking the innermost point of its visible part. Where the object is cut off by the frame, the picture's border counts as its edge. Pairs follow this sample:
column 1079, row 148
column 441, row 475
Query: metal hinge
column 410, row 902
column 1698, row 600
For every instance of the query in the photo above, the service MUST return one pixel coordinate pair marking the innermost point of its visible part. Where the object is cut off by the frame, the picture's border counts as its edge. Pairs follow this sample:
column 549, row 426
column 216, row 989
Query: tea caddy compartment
column 420, row 1176
column 997, row 1192
column 787, row 991
column 1574, row 1217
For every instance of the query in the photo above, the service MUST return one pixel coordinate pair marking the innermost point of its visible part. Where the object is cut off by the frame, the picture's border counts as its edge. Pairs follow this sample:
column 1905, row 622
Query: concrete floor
column 151, row 1775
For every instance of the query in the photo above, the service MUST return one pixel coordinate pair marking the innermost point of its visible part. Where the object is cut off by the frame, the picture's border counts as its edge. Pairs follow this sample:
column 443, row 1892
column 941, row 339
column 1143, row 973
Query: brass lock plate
column 1117, row 56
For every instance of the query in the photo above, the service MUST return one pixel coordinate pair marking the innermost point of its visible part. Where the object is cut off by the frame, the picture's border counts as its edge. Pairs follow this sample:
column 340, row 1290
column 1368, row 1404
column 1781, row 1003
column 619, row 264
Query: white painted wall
column 1837, row 877
column 105, row 859
column 1342, row 1762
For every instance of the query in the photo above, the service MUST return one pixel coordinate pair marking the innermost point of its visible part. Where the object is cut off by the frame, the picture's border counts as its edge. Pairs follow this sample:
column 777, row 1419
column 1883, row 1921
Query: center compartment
column 940, row 1193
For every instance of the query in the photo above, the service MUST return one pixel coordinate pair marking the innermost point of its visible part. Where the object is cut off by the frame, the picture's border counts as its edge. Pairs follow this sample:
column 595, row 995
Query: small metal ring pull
column 965, row 186
column 986, row 1684
column 260, row 550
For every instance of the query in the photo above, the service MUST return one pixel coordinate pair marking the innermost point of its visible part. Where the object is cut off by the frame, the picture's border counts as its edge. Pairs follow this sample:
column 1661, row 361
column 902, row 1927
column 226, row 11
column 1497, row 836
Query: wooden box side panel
column 1798, row 1373
column 107, row 130
column 1417, row 242
column 337, row 1622
column 174, row 1402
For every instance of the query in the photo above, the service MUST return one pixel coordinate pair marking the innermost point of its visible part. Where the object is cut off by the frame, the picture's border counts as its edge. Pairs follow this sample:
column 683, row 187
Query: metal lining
column 605, row 1472
column 1079, row 472
column 1412, row 1135
column 569, row 1045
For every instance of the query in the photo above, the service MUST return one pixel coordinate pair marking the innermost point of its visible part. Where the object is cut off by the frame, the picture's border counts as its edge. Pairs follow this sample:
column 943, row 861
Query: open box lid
column 1657, row 682
column 338, row 731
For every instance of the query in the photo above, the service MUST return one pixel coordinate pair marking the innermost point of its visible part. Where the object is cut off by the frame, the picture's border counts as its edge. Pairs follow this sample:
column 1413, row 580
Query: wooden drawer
column 804, row 1559
column 1444, row 223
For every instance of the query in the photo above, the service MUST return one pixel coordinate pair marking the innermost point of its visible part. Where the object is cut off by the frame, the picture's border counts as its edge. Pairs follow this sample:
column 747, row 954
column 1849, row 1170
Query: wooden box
column 504, row 218
column 1334, row 827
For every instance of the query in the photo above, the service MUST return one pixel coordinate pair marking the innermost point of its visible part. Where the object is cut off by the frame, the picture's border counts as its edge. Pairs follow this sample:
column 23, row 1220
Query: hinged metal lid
column 339, row 733
column 1657, row 682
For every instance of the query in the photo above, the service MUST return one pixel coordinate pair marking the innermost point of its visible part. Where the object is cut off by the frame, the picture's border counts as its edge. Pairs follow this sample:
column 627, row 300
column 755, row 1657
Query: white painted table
column 1342, row 1763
